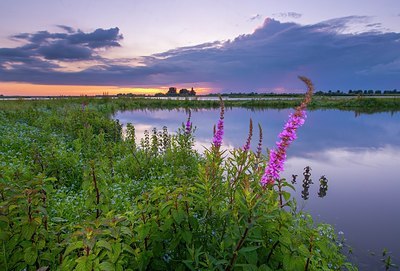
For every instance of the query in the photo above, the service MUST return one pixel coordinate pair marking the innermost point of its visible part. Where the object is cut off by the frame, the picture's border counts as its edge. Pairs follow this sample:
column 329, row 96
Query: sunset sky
column 71, row 47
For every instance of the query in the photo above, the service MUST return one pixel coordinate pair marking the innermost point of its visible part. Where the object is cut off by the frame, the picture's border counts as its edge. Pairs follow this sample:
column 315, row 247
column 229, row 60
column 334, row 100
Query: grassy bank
column 75, row 195
column 107, row 105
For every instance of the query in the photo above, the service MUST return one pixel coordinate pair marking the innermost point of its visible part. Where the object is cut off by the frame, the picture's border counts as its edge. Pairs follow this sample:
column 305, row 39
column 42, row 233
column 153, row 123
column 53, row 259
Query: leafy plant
column 78, row 194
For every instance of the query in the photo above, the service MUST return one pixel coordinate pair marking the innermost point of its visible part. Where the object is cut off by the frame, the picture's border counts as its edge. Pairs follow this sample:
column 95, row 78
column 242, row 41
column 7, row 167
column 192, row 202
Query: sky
column 87, row 47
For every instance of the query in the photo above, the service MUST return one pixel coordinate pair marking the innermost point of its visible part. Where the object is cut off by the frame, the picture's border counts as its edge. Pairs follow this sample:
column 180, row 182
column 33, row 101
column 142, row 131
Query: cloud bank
column 268, row 59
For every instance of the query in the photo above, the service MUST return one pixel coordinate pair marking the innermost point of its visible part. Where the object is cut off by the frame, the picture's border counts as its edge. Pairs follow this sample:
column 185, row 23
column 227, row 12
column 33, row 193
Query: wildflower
column 259, row 146
column 277, row 156
column 188, row 127
column 217, row 140
column 246, row 147
column 219, row 133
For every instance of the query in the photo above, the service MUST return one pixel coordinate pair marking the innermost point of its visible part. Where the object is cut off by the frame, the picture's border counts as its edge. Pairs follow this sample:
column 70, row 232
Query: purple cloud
column 73, row 45
column 66, row 28
column 269, row 58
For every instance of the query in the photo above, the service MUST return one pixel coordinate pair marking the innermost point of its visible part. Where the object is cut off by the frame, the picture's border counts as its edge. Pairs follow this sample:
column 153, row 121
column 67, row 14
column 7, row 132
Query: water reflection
column 359, row 155
column 307, row 181
column 323, row 186
column 363, row 196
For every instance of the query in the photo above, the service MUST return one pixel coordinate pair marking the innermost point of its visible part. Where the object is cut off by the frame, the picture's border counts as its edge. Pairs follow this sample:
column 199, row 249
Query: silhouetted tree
column 172, row 92
column 183, row 92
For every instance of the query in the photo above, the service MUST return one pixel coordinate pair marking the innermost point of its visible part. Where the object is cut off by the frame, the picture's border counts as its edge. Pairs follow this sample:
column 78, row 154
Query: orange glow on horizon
column 24, row 89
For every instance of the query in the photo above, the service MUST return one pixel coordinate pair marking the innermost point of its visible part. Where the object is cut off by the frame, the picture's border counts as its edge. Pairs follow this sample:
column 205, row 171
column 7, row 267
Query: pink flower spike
column 218, row 135
column 188, row 127
column 246, row 147
column 277, row 156
column 217, row 140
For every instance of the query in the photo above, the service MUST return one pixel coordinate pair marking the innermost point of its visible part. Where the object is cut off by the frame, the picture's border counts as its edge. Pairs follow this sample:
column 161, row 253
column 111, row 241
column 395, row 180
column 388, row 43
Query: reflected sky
column 359, row 154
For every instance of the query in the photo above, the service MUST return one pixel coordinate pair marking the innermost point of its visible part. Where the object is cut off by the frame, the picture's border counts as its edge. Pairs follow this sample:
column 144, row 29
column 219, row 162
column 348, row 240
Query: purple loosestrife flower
column 246, row 147
column 188, row 127
column 277, row 156
column 217, row 140
column 219, row 133
column 259, row 146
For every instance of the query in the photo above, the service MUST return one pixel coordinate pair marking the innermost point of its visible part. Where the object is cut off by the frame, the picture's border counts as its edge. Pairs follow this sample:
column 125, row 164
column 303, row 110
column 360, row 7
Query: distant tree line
column 318, row 93
column 172, row 92
column 359, row 92
column 131, row 95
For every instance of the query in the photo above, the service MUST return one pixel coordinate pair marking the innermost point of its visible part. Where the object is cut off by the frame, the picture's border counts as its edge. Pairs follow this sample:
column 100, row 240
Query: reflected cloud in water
column 363, row 197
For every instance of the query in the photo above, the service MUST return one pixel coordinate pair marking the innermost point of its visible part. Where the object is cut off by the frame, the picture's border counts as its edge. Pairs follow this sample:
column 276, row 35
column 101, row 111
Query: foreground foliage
column 78, row 195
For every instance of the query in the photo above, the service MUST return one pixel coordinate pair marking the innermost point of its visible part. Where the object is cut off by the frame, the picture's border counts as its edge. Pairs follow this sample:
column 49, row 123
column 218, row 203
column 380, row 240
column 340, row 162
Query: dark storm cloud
column 62, row 50
column 70, row 46
column 270, row 58
column 274, row 54
column 100, row 38
column 13, row 53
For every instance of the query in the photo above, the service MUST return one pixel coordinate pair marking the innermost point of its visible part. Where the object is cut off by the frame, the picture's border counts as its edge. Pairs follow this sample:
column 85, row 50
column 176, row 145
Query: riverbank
column 78, row 195
column 359, row 104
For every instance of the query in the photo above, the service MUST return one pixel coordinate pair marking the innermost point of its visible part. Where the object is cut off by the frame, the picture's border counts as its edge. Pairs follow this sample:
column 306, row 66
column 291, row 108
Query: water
column 359, row 155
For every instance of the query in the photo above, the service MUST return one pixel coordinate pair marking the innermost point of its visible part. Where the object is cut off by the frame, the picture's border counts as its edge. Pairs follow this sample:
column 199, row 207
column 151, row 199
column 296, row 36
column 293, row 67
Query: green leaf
column 47, row 256
column 41, row 244
column 187, row 236
column 248, row 249
column 264, row 267
column 293, row 263
column 178, row 216
column 303, row 250
column 51, row 179
column 116, row 251
column 285, row 240
column 84, row 264
column 126, row 231
column 104, row 244
column 30, row 255
column 286, row 195
column 28, row 230
column 107, row 266
column 189, row 264
column 127, row 248
column 73, row 246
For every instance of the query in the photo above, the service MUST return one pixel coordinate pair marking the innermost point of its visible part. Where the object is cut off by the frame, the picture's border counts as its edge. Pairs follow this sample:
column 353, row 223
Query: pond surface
column 358, row 154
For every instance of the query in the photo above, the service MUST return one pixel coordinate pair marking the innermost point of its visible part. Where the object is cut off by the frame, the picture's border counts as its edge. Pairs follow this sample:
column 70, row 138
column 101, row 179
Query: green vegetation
column 359, row 104
column 77, row 195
